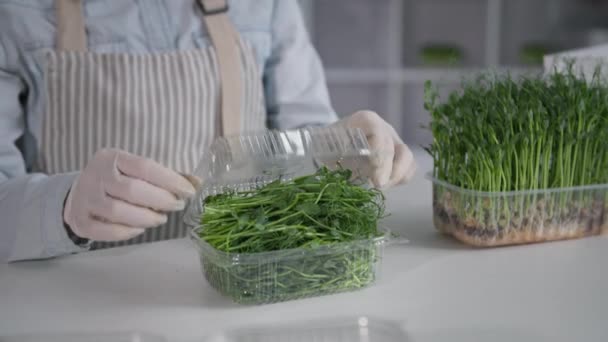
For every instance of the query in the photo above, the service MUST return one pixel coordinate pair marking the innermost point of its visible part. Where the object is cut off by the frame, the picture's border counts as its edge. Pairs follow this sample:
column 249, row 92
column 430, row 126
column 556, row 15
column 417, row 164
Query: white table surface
column 439, row 289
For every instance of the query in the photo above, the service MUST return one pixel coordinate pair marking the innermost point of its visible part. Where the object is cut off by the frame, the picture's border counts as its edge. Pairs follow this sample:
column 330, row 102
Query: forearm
column 31, row 208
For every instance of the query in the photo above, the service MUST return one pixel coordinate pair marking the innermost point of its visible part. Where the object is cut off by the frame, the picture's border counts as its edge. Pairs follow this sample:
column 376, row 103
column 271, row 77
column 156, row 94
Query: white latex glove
column 118, row 195
column 395, row 164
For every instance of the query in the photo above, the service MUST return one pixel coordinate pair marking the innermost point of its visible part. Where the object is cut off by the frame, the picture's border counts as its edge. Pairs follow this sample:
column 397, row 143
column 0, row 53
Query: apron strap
column 71, row 36
column 225, row 39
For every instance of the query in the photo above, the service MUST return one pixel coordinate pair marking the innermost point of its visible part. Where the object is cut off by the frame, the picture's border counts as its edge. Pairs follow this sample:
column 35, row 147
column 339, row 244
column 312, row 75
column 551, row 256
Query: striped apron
column 165, row 106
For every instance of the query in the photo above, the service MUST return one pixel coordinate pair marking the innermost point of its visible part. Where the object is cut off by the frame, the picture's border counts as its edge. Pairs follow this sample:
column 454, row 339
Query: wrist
column 75, row 238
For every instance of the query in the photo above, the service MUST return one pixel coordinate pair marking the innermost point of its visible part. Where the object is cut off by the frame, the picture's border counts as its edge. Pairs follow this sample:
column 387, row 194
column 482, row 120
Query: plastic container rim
column 387, row 238
column 434, row 180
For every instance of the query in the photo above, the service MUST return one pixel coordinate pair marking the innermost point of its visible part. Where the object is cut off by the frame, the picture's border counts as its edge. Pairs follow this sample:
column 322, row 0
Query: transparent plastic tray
column 246, row 162
column 487, row 219
column 333, row 330
column 257, row 278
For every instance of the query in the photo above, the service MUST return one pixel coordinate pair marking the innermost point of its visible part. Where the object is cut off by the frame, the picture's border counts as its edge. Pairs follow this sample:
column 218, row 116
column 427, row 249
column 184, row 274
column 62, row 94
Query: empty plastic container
column 85, row 337
column 354, row 329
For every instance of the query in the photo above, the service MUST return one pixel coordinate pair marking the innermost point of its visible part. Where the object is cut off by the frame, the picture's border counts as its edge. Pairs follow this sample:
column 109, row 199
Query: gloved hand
column 118, row 195
column 395, row 164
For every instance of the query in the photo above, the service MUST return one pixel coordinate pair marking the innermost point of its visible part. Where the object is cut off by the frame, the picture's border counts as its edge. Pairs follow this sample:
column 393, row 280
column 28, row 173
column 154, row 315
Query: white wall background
column 370, row 48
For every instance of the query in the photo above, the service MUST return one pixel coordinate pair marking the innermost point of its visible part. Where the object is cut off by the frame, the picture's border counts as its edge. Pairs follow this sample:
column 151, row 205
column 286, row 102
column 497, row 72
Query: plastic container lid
column 241, row 163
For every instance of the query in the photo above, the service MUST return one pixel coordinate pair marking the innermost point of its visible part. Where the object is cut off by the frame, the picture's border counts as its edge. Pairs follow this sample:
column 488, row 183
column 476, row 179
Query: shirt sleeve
column 31, row 205
column 294, row 81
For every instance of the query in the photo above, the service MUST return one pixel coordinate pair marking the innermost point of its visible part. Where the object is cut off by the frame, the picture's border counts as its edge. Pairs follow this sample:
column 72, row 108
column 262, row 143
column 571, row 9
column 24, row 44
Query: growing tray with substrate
column 521, row 160
column 495, row 218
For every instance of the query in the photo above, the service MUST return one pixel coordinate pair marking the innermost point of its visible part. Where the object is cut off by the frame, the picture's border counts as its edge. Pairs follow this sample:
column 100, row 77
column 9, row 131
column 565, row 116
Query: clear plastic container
column 487, row 219
column 85, row 337
column 246, row 162
column 260, row 278
column 333, row 330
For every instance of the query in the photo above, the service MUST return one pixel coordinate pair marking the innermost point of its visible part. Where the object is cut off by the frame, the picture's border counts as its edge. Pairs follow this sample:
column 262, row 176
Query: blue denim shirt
column 31, row 205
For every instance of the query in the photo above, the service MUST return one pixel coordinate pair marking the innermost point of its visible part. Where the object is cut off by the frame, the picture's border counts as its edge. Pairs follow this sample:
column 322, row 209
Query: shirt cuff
column 43, row 235
column 56, row 238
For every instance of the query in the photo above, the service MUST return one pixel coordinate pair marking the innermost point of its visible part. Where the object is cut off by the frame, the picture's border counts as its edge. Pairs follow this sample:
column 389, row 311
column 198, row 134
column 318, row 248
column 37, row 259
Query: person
column 106, row 106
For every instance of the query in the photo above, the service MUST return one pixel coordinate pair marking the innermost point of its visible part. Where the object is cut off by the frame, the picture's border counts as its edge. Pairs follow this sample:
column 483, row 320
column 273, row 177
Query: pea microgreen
column 503, row 134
